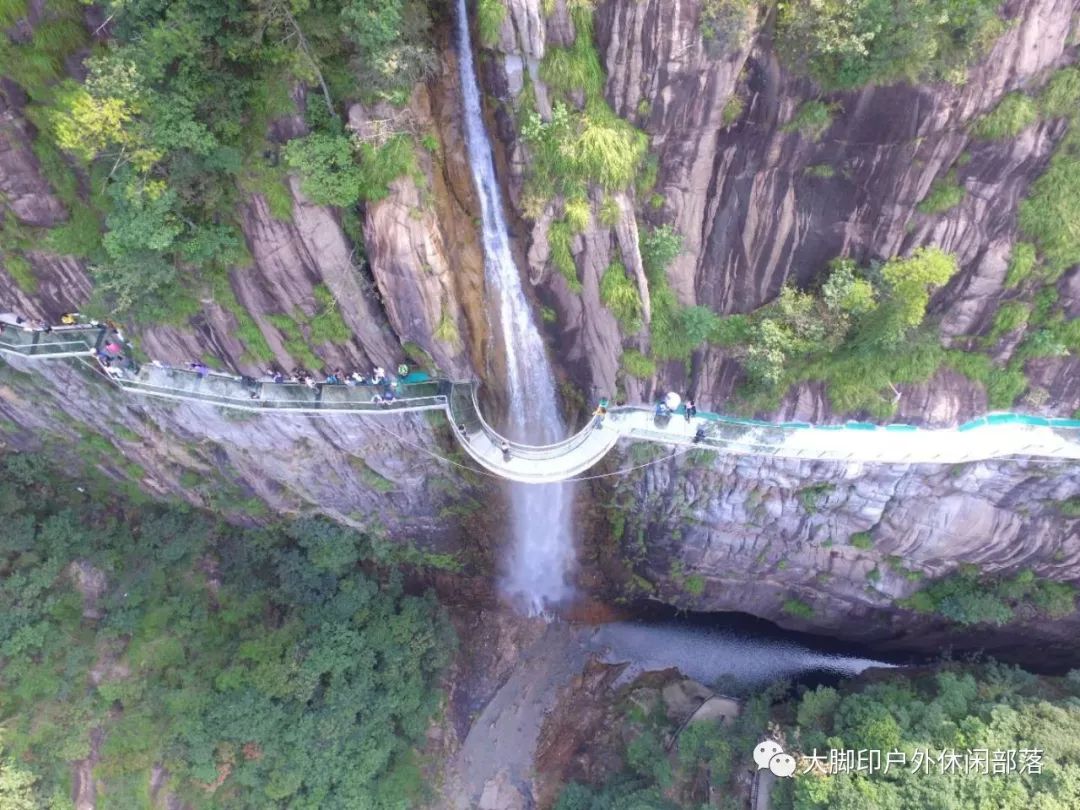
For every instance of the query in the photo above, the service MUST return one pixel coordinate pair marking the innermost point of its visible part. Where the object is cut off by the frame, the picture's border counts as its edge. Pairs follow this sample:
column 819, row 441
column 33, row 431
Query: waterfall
column 542, row 552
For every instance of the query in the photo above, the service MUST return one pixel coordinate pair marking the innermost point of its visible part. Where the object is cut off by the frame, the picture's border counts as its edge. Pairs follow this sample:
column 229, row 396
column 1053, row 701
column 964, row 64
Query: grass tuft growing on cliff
column 21, row 272
column 559, row 237
column 1051, row 211
column 489, row 19
column 1013, row 114
column 638, row 365
column 1022, row 262
column 619, row 294
column 811, row 120
column 945, row 193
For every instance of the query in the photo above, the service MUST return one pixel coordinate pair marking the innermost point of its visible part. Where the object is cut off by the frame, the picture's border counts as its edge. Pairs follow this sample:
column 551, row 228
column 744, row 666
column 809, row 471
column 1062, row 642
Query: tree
column 327, row 167
column 912, row 279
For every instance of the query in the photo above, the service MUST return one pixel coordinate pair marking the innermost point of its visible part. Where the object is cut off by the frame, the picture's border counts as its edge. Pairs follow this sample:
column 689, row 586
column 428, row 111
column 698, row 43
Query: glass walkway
column 998, row 435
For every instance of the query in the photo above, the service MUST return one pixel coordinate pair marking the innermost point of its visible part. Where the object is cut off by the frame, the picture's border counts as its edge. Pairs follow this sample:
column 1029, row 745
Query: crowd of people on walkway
column 115, row 358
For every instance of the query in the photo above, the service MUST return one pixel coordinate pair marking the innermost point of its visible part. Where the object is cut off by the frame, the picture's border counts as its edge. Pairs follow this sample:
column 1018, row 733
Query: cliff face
column 754, row 212
column 413, row 294
column 845, row 540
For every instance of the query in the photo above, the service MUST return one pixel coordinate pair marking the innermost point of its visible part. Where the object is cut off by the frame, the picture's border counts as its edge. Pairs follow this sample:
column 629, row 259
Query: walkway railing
column 993, row 436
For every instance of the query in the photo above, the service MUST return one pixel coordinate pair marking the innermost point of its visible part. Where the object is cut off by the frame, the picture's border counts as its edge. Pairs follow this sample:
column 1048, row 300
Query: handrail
column 530, row 451
column 1022, row 435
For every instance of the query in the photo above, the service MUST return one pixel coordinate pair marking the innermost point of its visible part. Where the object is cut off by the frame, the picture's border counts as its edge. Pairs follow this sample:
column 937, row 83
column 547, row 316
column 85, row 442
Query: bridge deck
column 993, row 436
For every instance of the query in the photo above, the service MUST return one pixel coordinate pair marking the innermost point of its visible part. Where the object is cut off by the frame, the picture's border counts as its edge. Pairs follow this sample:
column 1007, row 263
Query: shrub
column 1012, row 315
column 333, row 173
column 1013, row 114
column 21, row 272
column 620, row 295
column 797, row 608
column 1049, row 214
column 1021, row 263
column 446, row 330
column 862, row 540
column 945, row 193
column 1061, row 96
column 638, row 365
column 966, row 597
column 821, row 170
column 562, row 257
column 810, row 120
column 849, row 43
column 489, row 19
column 327, row 168
column 733, row 110
column 577, row 214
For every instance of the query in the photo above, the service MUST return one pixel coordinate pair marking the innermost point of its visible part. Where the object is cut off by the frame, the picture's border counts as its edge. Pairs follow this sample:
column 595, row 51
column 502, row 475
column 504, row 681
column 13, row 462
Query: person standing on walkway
column 505, row 447
column 691, row 409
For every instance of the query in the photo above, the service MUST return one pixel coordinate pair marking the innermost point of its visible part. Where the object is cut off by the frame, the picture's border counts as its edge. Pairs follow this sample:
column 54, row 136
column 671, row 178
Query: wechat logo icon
column 769, row 754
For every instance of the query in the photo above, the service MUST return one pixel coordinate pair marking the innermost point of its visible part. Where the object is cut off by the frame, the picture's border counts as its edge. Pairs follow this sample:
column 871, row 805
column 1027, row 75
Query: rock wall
column 716, row 533
column 753, row 218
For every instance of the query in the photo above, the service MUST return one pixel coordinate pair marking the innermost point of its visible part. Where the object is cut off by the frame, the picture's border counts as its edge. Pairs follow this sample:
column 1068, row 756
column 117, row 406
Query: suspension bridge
column 997, row 435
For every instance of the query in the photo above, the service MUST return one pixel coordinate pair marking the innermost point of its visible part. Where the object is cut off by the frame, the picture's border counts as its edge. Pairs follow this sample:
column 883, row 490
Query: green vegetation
column 638, row 365
column 577, row 214
column 1049, row 214
column 810, row 120
column 821, row 170
column 1011, row 315
column 1021, row 264
column 1013, row 114
column 578, row 148
column 725, row 24
column 958, row 709
column 810, row 496
column 300, row 332
column 620, row 295
column 559, row 236
column 967, row 597
column 945, row 193
column 797, row 608
column 733, row 110
column 676, row 330
column 18, row 267
column 850, row 43
column 846, row 334
column 489, row 19
column 572, row 151
column 446, row 330
column 261, row 668
column 337, row 171
column 1060, row 98
column 172, row 125
column 862, row 540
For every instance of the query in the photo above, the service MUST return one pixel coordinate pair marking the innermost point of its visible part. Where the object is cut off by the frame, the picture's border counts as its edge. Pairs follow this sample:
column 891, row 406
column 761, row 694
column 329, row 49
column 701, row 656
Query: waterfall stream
column 543, row 545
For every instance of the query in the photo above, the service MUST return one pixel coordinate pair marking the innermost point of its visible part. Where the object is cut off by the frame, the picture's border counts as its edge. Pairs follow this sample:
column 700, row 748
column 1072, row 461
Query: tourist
column 278, row 377
column 379, row 375
column 198, row 367
column 309, row 381
column 691, row 409
column 699, row 435
column 331, row 378
column 600, row 413
column 69, row 318
column 505, row 447
column 403, row 370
